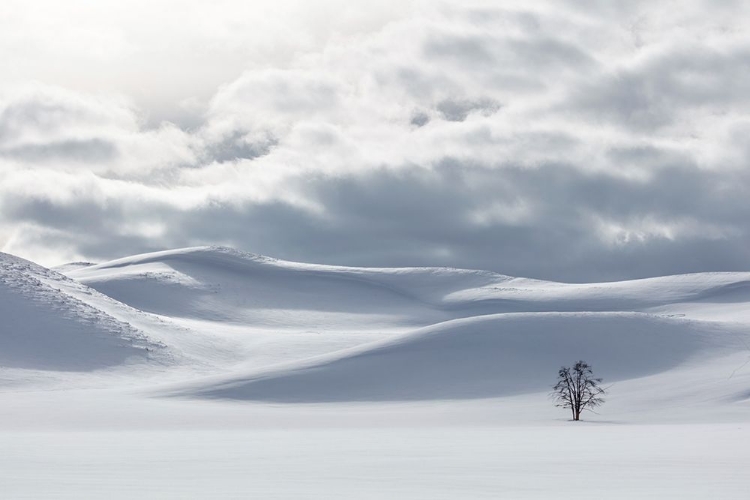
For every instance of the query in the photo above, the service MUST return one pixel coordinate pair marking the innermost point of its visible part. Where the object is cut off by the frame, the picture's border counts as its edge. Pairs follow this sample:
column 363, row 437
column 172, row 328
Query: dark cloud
column 238, row 146
column 427, row 217
column 419, row 118
column 456, row 110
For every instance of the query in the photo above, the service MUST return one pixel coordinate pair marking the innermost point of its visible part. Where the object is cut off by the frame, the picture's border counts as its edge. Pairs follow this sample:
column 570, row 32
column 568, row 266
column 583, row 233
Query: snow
column 208, row 372
column 491, row 356
column 71, row 266
column 691, row 462
column 50, row 323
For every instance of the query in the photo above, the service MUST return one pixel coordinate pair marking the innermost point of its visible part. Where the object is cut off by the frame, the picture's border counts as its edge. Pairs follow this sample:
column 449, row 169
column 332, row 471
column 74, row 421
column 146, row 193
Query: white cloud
column 553, row 140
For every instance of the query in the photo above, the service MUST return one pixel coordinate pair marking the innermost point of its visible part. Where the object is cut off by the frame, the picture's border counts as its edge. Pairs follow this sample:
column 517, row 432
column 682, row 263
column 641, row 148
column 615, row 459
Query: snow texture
column 211, row 372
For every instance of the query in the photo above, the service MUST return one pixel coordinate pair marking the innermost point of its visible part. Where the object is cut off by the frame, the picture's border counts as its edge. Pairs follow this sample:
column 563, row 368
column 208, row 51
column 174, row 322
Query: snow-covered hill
column 50, row 322
column 284, row 331
column 221, row 284
column 220, row 323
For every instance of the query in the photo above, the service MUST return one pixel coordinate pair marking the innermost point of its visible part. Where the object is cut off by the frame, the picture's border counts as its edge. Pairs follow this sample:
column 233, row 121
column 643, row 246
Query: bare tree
column 577, row 389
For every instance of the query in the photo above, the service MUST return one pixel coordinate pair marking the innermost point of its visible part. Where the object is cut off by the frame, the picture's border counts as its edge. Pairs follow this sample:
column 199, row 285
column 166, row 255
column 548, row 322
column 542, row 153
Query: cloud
column 49, row 127
column 458, row 110
column 86, row 150
column 551, row 141
column 671, row 86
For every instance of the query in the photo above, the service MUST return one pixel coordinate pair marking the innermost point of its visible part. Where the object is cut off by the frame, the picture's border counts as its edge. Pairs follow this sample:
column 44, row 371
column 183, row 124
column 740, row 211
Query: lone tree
column 577, row 389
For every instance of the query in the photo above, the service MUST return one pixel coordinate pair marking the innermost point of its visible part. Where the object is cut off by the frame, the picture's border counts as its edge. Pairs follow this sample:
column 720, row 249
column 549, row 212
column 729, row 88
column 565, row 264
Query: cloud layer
column 567, row 141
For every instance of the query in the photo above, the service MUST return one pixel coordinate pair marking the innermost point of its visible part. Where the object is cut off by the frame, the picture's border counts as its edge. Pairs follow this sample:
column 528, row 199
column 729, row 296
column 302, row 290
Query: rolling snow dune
column 434, row 333
column 47, row 326
column 490, row 356
column 221, row 284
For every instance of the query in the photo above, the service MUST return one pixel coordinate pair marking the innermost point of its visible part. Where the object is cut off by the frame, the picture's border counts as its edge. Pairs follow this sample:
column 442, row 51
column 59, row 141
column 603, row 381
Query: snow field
column 207, row 372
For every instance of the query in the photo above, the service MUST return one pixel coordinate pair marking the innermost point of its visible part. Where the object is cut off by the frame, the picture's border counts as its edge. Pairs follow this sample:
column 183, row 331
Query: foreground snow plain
column 211, row 373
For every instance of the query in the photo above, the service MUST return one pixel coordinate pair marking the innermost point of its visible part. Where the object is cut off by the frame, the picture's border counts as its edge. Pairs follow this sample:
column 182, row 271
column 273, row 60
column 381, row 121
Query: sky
column 564, row 140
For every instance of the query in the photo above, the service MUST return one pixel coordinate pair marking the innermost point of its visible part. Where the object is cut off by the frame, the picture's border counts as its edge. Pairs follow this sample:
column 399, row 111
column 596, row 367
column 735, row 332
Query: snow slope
column 314, row 333
column 49, row 323
column 492, row 356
